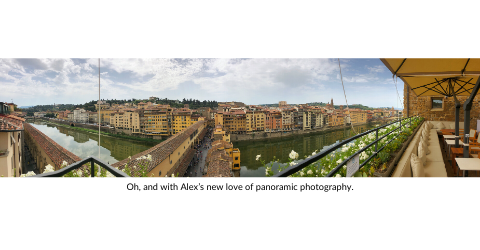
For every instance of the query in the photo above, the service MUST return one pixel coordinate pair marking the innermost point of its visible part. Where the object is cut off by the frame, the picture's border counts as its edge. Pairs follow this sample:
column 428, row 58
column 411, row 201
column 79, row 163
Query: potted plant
column 3, row 152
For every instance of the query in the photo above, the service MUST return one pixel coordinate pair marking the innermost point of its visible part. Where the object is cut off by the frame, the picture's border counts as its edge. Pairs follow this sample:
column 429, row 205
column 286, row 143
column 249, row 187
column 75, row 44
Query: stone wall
column 104, row 129
column 422, row 106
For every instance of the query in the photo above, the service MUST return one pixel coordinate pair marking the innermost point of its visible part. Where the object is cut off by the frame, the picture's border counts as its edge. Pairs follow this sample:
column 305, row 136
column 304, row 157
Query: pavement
column 198, row 168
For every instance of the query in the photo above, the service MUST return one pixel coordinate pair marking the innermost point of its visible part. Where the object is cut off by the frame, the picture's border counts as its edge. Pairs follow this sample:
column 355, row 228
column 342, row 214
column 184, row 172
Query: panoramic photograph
column 237, row 117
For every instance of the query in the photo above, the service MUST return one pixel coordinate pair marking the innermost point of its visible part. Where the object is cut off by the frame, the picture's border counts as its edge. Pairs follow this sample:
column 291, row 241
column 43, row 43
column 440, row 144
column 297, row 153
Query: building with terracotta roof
column 11, row 143
column 255, row 120
column 220, row 135
column 273, row 120
column 102, row 105
column 181, row 119
column 222, row 159
column 80, row 115
column 233, row 122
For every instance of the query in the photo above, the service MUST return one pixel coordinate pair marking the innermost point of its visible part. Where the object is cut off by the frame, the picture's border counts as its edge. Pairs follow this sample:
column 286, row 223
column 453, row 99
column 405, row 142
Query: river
column 281, row 147
column 84, row 144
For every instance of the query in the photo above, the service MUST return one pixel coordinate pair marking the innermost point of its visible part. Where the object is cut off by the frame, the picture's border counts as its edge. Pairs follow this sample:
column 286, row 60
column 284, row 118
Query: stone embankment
column 103, row 129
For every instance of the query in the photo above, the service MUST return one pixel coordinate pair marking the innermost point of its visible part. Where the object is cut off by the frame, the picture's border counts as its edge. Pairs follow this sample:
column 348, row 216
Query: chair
column 475, row 146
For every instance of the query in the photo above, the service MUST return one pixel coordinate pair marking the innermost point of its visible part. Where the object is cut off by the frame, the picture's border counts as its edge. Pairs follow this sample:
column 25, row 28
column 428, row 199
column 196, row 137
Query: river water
column 281, row 148
column 84, row 144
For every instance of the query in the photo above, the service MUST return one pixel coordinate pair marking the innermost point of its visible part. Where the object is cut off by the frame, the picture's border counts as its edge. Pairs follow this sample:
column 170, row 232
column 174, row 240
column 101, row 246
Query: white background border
column 101, row 214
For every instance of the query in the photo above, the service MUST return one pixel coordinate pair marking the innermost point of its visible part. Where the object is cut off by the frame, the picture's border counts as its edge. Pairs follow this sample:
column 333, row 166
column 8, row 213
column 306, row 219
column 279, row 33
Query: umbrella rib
column 435, row 90
column 443, row 80
column 463, row 70
column 461, row 86
column 400, row 66
column 424, row 86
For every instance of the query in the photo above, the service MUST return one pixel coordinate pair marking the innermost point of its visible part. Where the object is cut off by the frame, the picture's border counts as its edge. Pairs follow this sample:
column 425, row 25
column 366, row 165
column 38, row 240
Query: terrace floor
column 448, row 163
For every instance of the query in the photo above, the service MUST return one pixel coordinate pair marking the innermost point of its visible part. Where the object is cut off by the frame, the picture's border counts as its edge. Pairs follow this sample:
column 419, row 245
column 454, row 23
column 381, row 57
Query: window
column 236, row 158
column 437, row 103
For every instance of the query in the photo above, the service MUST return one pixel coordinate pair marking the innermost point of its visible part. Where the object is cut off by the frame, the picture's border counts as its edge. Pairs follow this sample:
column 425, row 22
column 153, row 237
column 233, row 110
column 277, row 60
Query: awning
column 436, row 76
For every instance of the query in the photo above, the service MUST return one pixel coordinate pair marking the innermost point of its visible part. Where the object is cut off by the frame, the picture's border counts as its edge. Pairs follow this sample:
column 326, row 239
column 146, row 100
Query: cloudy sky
column 252, row 81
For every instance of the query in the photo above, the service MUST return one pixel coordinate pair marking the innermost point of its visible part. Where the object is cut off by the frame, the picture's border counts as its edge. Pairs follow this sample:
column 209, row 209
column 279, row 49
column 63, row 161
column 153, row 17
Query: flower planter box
column 3, row 153
column 397, row 155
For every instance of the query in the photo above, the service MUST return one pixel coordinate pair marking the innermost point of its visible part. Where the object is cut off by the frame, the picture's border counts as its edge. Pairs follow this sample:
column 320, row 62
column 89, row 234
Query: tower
column 332, row 103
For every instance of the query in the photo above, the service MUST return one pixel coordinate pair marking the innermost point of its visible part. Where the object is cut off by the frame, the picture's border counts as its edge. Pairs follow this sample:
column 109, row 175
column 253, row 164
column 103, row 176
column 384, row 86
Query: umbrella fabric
column 436, row 77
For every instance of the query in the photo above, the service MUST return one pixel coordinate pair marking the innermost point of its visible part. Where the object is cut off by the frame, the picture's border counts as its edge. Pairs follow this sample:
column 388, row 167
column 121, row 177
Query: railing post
column 92, row 168
column 376, row 139
column 400, row 125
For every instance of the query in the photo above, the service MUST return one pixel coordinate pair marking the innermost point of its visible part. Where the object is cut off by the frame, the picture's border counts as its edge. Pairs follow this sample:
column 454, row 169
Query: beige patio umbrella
column 430, row 77
column 441, row 77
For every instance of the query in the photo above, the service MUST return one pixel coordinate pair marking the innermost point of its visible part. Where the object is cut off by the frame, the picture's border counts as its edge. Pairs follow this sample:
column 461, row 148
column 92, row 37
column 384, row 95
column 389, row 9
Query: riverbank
column 268, row 135
column 122, row 136
column 278, row 149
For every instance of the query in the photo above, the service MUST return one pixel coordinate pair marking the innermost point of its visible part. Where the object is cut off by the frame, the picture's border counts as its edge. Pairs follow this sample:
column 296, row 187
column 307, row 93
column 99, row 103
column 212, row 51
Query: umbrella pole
column 457, row 121
column 457, row 114
column 467, row 106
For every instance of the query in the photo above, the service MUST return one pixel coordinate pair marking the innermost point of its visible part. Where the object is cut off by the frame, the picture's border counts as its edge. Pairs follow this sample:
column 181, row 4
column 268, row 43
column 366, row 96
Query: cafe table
column 468, row 164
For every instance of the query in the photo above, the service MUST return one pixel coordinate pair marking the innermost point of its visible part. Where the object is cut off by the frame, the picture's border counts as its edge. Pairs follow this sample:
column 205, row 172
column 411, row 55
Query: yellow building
column 157, row 120
column 181, row 120
column 235, row 122
column 357, row 116
column 11, row 144
column 102, row 105
column 255, row 121
column 215, row 154
column 220, row 134
column 219, row 118
column 105, row 115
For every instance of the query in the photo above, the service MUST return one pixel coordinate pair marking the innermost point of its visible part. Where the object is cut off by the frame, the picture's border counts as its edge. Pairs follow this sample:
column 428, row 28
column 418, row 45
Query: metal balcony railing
column 304, row 163
column 92, row 160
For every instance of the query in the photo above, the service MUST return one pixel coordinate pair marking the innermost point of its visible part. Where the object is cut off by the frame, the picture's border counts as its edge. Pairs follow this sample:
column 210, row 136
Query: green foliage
column 384, row 156
column 325, row 165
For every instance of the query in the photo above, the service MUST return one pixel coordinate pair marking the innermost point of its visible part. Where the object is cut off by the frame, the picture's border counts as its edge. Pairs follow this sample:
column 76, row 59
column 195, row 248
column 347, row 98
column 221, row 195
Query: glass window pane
column 437, row 103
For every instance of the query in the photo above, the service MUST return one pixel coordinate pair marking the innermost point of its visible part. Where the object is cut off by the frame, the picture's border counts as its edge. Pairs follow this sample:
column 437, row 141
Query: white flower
column 338, row 175
column 64, row 163
column 309, row 172
column 345, row 158
column 130, row 157
column 173, row 175
column 323, row 172
column 292, row 163
column 339, row 161
column 258, row 157
column 314, row 152
column 149, row 157
column 110, row 174
column 48, row 169
column 293, row 155
column 302, row 173
column 79, row 173
column 30, row 173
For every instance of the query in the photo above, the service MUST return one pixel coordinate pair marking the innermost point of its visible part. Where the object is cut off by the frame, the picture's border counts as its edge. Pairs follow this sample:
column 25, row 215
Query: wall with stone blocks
column 422, row 106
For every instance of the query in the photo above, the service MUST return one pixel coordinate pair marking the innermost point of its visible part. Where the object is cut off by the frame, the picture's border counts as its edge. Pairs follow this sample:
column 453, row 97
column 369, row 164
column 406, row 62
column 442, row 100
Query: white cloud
column 377, row 69
column 42, row 81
